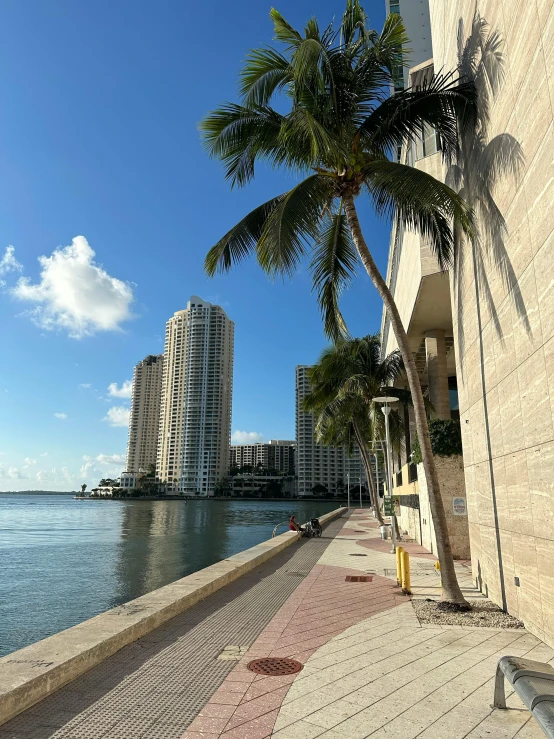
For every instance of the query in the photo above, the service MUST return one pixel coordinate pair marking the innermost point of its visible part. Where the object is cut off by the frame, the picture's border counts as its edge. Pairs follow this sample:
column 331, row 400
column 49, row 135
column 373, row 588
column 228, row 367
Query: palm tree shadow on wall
column 481, row 164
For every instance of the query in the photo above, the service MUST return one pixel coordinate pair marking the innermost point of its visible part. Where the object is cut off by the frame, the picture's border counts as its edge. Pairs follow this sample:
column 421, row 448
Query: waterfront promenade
column 371, row 669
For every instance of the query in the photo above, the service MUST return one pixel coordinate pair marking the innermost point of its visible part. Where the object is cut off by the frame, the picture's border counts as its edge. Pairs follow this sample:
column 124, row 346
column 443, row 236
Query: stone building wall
column 503, row 306
column 419, row 524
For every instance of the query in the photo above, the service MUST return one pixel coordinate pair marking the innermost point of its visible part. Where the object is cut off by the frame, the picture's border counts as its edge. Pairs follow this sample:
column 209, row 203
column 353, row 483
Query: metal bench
column 534, row 683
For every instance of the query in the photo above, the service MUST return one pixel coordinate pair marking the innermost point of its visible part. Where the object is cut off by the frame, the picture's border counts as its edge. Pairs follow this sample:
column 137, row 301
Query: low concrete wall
column 30, row 674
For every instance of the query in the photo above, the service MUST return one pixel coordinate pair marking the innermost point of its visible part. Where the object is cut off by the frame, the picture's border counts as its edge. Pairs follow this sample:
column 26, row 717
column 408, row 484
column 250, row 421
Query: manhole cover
column 358, row 555
column 358, row 578
column 274, row 666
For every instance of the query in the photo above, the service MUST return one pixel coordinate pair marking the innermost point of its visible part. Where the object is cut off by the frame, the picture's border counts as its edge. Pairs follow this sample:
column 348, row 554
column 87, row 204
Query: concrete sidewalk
column 370, row 668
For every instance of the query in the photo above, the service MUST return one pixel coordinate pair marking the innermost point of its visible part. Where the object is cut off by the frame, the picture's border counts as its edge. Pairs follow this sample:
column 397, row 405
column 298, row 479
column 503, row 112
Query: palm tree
column 343, row 383
column 339, row 132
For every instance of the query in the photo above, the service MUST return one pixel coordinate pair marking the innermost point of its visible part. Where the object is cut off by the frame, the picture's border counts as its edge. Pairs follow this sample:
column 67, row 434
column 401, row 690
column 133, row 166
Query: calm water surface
column 63, row 561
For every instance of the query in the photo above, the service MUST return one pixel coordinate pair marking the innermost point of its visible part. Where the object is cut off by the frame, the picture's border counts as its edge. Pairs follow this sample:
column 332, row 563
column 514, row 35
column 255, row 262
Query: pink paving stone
column 217, row 710
column 258, row 728
column 263, row 687
column 234, row 686
column 258, row 706
column 209, row 724
column 321, row 608
column 229, row 699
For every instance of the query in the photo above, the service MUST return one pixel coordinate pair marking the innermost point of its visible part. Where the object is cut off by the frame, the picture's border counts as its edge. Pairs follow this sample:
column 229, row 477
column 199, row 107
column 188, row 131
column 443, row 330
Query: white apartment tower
column 315, row 464
column 144, row 419
column 195, row 417
column 415, row 15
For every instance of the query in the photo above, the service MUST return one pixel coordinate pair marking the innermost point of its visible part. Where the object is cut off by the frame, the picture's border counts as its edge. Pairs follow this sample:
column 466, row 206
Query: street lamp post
column 348, row 487
column 361, row 504
column 385, row 401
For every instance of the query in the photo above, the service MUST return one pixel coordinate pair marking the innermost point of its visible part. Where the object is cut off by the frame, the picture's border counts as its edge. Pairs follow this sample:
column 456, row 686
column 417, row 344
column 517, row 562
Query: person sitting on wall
column 293, row 526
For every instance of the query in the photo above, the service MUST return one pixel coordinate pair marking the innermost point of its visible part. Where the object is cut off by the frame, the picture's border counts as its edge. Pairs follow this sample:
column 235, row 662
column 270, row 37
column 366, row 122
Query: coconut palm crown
column 340, row 131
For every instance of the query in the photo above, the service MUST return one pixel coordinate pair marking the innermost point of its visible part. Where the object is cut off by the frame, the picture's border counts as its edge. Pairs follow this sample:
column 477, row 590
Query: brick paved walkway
column 370, row 668
column 156, row 686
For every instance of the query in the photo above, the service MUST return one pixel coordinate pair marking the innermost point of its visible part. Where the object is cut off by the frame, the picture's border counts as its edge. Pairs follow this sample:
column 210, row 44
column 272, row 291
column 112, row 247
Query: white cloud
column 246, row 437
column 42, row 475
column 62, row 416
column 28, row 460
column 125, row 391
column 85, row 385
column 117, row 415
column 102, row 464
column 12, row 473
column 75, row 294
column 8, row 262
column 43, row 454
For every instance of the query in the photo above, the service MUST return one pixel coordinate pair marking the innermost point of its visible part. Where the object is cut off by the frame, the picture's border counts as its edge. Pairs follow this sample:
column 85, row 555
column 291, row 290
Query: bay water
column 63, row 560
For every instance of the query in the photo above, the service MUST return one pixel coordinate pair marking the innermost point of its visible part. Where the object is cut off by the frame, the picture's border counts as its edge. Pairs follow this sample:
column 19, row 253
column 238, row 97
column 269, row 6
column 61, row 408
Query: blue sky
column 99, row 114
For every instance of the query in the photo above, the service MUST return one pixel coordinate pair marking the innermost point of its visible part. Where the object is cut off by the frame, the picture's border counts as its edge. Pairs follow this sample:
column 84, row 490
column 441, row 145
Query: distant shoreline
column 38, row 492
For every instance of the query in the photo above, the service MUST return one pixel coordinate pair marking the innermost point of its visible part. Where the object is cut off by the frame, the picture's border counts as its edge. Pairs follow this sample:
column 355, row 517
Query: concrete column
column 437, row 375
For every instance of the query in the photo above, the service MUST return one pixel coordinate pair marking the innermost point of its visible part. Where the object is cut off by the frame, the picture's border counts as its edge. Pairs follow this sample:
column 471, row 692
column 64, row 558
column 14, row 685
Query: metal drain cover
column 358, row 578
column 274, row 666
column 358, row 555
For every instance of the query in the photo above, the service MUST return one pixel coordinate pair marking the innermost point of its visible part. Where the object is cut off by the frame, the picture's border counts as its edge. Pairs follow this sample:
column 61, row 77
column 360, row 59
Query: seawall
column 34, row 672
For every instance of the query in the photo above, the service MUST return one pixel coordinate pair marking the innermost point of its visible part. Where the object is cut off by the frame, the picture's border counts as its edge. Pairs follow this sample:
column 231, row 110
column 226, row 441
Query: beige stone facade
column 502, row 299
column 144, row 419
column 195, row 415
column 415, row 514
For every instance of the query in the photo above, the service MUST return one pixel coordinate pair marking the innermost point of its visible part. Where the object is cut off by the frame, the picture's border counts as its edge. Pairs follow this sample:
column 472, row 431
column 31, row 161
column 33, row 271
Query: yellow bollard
column 438, row 569
column 399, row 551
column 405, row 563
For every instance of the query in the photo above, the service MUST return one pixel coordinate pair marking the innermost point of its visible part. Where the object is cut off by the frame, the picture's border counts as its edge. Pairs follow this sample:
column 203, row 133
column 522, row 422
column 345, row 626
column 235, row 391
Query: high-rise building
column 415, row 15
column 195, row 417
column 483, row 335
column 144, row 419
column 315, row 464
column 276, row 455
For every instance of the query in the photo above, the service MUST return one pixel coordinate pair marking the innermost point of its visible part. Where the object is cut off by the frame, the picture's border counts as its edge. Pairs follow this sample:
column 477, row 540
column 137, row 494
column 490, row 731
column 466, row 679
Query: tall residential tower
column 315, row 464
column 195, row 416
column 144, row 419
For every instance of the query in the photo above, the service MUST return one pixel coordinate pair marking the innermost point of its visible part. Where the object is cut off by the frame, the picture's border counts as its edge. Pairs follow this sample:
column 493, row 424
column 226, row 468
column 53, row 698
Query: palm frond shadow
column 480, row 165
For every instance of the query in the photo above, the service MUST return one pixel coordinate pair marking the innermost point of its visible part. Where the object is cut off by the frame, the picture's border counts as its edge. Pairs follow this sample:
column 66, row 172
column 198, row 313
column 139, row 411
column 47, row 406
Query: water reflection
column 63, row 561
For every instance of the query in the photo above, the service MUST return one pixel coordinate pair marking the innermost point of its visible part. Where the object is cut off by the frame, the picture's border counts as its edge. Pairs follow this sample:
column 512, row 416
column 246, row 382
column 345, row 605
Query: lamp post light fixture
column 386, row 401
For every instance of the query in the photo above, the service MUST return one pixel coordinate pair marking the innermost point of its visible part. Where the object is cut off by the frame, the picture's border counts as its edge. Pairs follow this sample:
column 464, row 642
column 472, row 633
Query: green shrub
column 446, row 439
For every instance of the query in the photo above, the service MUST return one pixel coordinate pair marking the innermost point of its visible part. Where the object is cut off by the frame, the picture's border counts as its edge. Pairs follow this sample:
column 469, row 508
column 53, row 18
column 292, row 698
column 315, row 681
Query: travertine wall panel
column 504, row 324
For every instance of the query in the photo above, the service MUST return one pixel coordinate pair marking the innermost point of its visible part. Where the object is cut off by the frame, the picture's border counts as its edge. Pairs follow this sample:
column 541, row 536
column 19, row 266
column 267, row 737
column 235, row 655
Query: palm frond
column 238, row 135
column 442, row 104
column 292, row 225
column 302, row 132
column 420, row 202
column 265, row 72
column 241, row 240
column 283, row 30
column 391, row 47
column 333, row 266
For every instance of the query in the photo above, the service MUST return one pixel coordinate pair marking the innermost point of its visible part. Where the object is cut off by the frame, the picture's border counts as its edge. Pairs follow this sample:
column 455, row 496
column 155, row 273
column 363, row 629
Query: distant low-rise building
column 276, row 455
column 128, row 480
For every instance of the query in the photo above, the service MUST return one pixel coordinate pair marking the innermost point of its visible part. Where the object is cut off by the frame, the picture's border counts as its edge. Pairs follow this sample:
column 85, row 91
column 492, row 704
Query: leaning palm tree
column 339, row 132
column 343, row 383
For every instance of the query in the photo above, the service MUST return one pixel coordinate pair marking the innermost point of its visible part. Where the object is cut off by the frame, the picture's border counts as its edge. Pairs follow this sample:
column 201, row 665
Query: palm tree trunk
column 368, row 472
column 450, row 587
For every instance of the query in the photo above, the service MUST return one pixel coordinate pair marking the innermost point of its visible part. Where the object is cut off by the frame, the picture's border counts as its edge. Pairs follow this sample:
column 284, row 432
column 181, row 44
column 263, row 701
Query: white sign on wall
column 459, row 507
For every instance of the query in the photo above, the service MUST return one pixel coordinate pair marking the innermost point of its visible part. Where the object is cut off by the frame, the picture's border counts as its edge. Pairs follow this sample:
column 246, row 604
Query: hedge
column 446, row 439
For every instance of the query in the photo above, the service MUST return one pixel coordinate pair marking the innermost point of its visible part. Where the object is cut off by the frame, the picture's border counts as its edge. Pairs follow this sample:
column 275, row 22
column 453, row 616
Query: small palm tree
column 343, row 383
column 339, row 132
